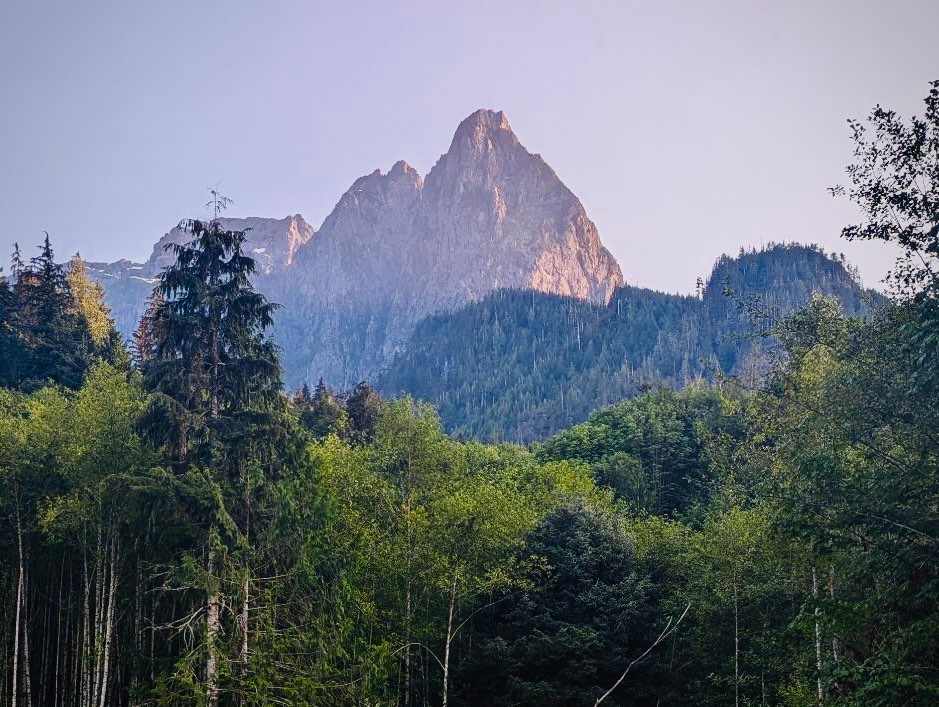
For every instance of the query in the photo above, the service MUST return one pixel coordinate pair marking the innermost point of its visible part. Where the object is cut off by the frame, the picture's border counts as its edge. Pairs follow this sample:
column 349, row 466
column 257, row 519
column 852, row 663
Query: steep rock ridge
column 498, row 216
column 360, row 251
column 396, row 248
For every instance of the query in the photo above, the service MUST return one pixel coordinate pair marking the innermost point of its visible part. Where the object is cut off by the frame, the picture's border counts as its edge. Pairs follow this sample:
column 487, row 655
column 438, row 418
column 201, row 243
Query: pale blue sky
column 687, row 128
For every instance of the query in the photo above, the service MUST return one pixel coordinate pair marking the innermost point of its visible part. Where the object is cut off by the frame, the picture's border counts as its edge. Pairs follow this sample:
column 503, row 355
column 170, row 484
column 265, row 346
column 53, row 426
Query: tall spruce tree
column 217, row 382
column 47, row 323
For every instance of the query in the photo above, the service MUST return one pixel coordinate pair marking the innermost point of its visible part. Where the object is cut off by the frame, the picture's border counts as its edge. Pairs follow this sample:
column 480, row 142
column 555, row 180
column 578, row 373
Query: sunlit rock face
column 397, row 248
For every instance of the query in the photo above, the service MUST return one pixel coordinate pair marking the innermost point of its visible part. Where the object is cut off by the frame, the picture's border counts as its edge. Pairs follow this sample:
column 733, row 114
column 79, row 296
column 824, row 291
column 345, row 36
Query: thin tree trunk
column 44, row 661
column 19, row 604
column 138, row 615
column 212, row 625
column 99, row 616
column 58, row 638
column 407, row 591
column 27, row 673
column 66, row 643
column 736, row 645
column 407, row 640
column 818, row 637
column 84, row 664
column 243, row 626
column 110, row 623
column 835, row 648
column 446, row 651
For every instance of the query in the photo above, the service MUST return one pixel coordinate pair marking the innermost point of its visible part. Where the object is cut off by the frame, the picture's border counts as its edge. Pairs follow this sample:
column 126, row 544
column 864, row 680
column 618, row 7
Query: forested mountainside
column 520, row 365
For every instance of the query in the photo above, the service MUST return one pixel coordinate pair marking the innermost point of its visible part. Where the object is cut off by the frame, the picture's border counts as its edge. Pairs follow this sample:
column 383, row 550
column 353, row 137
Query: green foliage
column 652, row 450
column 895, row 180
column 586, row 607
column 53, row 324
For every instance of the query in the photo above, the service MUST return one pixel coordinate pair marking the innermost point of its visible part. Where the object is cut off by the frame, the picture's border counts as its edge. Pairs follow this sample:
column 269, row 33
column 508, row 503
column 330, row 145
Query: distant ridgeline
column 520, row 365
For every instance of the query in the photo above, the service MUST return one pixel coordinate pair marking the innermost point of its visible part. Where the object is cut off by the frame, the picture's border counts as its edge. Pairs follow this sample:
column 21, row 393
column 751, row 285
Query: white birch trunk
column 212, row 624
column 446, row 650
column 736, row 645
column 19, row 604
column 109, row 625
column 818, row 638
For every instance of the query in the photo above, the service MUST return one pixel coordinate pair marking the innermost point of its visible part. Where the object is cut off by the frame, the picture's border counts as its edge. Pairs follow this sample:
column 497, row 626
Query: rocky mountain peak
column 398, row 247
column 482, row 127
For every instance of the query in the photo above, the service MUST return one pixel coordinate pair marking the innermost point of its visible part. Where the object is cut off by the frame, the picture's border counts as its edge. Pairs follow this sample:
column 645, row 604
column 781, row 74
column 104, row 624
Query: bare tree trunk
column 407, row 640
column 110, row 622
column 243, row 622
column 67, row 642
column 19, row 605
column 84, row 664
column 27, row 673
column 835, row 648
column 446, row 650
column 58, row 638
column 407, row 591
column 138, row 612
column 212, row 625
column 99, row 616
column 46, row 648
column 736, row 645
column 818, row 637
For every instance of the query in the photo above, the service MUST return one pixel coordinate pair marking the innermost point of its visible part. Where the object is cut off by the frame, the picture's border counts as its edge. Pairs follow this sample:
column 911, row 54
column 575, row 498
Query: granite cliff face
column 495, row 215
column 489, row 215
column 397, row 248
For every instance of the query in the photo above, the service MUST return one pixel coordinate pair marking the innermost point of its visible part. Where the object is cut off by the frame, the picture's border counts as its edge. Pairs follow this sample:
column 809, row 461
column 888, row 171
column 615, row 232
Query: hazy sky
column 687, row 129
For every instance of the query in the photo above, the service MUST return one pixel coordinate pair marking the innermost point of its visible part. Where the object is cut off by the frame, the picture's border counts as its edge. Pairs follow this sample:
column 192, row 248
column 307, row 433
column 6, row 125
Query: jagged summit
column 484, row 128
column 398, row 247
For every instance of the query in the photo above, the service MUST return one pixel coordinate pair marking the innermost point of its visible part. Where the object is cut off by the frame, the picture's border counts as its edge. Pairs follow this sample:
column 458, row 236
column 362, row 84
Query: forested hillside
column 177, row 529
column 520, row 365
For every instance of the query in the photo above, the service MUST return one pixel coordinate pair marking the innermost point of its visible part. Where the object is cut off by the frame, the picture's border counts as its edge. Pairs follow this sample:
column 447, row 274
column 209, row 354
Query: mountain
column 485, row 289
column 519, row 365
column 397, row 248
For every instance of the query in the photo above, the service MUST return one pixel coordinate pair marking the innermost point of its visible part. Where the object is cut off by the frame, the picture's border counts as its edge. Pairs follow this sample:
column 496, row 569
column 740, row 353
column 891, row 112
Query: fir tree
column 47, row 323
column 364, row 407
column 217, row 380
column 143, row 343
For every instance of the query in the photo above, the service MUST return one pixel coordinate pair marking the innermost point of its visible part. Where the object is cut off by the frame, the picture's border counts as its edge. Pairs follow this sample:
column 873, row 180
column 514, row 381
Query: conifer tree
column 47, row 323
column 217, row 380
column 321, row 412
column 143, row 344
column 363, row 406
